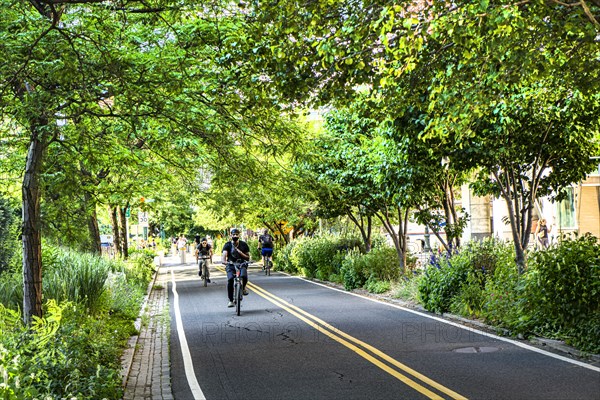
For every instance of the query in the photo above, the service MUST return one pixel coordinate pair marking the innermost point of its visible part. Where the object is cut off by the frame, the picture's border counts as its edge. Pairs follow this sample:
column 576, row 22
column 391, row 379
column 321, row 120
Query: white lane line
column 185, row 350
column 522, row 345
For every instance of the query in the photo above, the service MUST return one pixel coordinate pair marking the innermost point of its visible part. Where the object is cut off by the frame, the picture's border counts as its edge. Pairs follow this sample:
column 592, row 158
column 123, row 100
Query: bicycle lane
column 471, row 363
column 266, row 353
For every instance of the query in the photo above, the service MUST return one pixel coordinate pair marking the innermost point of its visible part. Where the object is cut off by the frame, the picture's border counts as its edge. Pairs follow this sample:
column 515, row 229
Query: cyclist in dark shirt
column 235, row 250
column 203, row 249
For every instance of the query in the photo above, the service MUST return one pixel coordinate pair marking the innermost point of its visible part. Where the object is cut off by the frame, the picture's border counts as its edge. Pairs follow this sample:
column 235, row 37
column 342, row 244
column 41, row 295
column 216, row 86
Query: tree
column 542, row 143
column 520, row 129
column 164, row 76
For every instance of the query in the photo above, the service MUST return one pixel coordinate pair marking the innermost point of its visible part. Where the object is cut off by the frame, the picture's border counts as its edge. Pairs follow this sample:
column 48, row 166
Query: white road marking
column 519, row 344
column 185, row 350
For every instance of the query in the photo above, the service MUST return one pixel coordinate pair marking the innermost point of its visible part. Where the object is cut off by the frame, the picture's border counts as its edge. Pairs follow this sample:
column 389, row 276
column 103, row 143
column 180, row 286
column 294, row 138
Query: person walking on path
column 542, row 232
column 182, row 248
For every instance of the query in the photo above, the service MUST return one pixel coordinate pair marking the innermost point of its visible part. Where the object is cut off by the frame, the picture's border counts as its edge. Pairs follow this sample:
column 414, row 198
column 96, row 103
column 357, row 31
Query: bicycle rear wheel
column 269, row 265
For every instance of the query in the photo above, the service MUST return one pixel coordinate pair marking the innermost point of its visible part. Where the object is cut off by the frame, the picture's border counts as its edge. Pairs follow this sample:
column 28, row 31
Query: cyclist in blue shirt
column 265, row 243
column 235, row 250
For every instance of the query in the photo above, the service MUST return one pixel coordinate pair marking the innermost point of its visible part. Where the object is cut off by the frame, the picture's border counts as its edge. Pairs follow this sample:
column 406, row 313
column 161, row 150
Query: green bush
column 504, row 303
column 283, row 258
column 67, row 354
column 380, row 264
column 76, row 277
column 443, row 281
column 463, row 275
column 563, row 291
column 9, row 232
column 122, row 298
column 254, row 252
column 138, row 268
column 470, row 299
column 353, row 271
column 319, row 257
column 375, row 286
column 407, row 287
column 11, row 289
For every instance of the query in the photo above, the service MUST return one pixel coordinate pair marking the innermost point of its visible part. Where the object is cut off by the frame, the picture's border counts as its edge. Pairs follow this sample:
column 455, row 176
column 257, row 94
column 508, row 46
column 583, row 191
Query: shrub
column 352, row 271
column 76, row 277
column 468, row 270
column 563, row 290
column 381, row 264
column 407, row 287
column 376, row 286
column 11, row 289
column 504, row 303
column 470, row 299
column 9, row 228
column 138, row 268
column 442, row 281
column 122, row 298
column 319, row 257
column 67, row 354
column 283, row 258
column 254, row 251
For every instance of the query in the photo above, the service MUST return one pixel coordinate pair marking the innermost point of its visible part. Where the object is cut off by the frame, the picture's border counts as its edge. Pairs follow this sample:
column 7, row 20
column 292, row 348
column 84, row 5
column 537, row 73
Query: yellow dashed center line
column 361, row 348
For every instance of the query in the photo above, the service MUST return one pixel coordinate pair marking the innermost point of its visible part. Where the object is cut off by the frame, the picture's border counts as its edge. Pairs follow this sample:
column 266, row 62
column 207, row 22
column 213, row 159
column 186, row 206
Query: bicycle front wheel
column 238, row 298
column 205, row 273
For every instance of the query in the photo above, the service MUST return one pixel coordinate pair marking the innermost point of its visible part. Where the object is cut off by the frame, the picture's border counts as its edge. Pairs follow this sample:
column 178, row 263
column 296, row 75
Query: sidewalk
column 146, row 363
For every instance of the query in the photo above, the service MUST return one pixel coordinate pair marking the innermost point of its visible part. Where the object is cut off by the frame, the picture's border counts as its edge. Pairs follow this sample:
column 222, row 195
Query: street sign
column 143, row 219
column 128, row 212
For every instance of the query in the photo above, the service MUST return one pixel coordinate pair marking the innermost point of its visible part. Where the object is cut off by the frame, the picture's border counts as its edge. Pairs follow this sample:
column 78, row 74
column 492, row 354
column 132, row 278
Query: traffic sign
column 143, row 218
column 128, row 212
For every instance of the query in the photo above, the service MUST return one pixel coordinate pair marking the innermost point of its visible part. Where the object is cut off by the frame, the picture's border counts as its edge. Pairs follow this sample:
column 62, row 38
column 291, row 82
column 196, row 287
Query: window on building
column 566, row 211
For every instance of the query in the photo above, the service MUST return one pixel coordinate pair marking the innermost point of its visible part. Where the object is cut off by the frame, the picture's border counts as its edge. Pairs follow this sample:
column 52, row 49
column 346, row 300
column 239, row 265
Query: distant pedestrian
column 542, row 232
column 182, row 247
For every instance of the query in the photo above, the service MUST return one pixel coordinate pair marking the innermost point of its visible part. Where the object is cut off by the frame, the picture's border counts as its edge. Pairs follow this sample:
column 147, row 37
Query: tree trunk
column 279, row 228
column 114, row 221
column 399, row 238
column 32, row 244
column 124, row 238
column 92, row 218
column 363, row 226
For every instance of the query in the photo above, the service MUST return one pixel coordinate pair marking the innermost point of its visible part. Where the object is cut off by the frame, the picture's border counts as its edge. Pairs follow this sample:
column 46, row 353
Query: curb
column 129, row 352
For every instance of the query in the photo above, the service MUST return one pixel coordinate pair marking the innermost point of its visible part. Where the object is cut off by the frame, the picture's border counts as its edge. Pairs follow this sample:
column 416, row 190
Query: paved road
column 299, row 340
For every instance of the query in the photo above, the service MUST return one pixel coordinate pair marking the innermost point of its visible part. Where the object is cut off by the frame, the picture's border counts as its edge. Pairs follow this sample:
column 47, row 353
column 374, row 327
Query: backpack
column 267, row 241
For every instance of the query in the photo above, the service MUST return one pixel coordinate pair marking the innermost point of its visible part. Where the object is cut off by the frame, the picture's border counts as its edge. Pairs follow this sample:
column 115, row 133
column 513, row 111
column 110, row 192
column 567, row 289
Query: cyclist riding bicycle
column 203, row 250
column 265, row 245
column 235, row 251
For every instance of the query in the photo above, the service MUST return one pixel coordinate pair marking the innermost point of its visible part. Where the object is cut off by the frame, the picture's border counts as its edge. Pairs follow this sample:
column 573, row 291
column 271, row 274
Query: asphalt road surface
column 297, row 339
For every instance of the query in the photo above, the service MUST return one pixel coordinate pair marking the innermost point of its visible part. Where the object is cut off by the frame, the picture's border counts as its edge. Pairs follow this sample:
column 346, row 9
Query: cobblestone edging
column 147, row 375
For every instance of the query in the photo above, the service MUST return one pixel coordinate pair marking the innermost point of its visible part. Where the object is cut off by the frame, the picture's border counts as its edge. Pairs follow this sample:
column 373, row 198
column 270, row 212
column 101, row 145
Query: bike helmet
column 235, row 231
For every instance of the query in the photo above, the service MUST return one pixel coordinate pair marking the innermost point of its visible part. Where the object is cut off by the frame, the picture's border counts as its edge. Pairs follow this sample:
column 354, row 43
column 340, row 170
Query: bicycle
column 267, row 265
column 203, row 267
column 238, row 286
